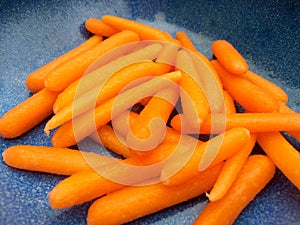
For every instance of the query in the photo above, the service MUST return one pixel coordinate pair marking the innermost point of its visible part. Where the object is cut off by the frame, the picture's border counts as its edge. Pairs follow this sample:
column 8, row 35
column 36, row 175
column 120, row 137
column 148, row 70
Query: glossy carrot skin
column 96, row 26
column 253, row 177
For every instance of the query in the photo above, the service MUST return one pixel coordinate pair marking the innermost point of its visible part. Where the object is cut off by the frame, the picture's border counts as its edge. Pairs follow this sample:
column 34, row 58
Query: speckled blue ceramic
column 33, row 32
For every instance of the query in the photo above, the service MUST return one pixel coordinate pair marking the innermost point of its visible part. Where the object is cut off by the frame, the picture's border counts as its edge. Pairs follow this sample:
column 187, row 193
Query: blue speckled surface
column 33, row 32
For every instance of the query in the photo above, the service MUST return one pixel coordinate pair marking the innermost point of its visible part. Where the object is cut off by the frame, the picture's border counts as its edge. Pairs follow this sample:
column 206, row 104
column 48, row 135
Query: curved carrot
column 247, row 94
column 114, row 75
column 206, row 154
column 70, row 71
column 143, row 136
column 194, row 103
column 266, row 85
column 144, row 31
column 283, row 154
column 96, row 26
column 27, row 114
column 230, row 171
column 131, row 203
column 85, row 123
column 62, row 161
column 253, row 177
column 185, row 40
column 229, row 57
column 35, row 80
column 106, row 136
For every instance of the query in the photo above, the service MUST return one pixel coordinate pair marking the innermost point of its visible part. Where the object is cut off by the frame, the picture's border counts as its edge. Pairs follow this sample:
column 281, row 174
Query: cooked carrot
column 266, row 85
column 84, row 124
column 131, row 203
column 194, row 103
column 70, row 71
column 144, row 31
column 96, row 26
column 206, row 154
column 253, row 177
column 106, row 136
column 185, row 40
column 283, row 154
column 228, row 103
column 35, row 80
column 62, row 161
column 285, row 109
column 27, row 114
column 229, row 57
column 254, row 122
column 247, row 94
column 145, row 136
column 130, row 66
column 230, row 171
column 109, row 89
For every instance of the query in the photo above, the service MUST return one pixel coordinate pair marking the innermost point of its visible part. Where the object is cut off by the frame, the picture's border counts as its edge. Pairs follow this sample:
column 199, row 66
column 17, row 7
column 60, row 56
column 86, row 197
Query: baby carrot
column 266, row 85
column 109, row 89
column 253, row 177
column 84, row 124
column 228, row 103
column 96, row 26
column 70, row 71
column 130, row 66
column 144, row 31
column 247, row 94
column 230, row 171
column 283, row 154
column 35, row 80
column 143, row 136
column 254, row 122
column 206, row 154
column 229, row 57
column 131, row 203
column 285, row 109
column 106, row 136
column 185, row 40
column 194, row 103
column 62, row 161
column 27, row 114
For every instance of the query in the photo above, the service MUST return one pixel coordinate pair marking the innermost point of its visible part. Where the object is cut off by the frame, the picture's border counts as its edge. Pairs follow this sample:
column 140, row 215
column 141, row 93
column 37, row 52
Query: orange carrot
column 247, row 94
column 35, row 80
column 144, row 135
column 110, row 88
column 229, row 57
column 285, row 109
column 253, row 177
column 27, row 114
column 228, row 103
column 84, row 124
column 195, row 106
column 274, row 90
column 70, row 71
column 130, row 66
column 230, row 171
column 185, row 40
column 283, row 154
column 206, row 154
column 96, row 26
column 254, row 122
column 106, row 136
column 131, row 203
column 49, row 159
column 144, row 31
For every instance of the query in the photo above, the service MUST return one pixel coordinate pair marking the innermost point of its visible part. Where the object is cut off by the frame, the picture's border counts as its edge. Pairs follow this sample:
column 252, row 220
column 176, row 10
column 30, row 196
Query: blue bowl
column 34, row 32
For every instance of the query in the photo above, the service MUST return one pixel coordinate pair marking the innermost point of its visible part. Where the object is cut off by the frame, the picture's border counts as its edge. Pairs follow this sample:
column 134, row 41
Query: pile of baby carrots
column 92, row 98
